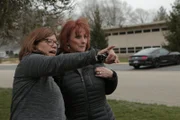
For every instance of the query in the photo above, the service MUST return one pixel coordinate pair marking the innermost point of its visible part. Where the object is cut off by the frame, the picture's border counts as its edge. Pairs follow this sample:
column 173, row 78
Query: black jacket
column 85, row 94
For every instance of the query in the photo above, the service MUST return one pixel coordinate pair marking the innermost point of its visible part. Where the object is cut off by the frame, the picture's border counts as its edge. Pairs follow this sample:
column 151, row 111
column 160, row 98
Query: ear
column 34, row 47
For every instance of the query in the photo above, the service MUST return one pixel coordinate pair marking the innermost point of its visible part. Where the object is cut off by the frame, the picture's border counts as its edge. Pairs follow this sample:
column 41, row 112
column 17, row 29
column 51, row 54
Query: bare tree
column 116, row 12
column 113, row 13
column 140, row 16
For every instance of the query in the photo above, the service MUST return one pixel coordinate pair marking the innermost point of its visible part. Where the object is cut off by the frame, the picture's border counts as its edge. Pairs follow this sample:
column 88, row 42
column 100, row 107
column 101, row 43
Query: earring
column 68, row 46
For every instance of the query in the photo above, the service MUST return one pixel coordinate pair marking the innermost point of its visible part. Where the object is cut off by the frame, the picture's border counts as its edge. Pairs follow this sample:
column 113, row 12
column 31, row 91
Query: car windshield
column 145, row 51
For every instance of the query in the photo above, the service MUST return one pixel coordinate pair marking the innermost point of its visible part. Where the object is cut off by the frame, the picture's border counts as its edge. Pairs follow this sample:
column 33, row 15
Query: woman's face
column 48, row 46
column 77, row 43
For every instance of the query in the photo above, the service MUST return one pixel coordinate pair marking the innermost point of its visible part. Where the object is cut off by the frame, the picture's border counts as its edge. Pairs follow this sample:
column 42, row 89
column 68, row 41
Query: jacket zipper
column 86, row 95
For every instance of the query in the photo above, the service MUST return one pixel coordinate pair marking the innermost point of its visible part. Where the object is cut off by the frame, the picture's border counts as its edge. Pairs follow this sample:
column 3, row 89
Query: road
column 126, row 67
column 146, row 85
column 162, row 87
column 117, row 67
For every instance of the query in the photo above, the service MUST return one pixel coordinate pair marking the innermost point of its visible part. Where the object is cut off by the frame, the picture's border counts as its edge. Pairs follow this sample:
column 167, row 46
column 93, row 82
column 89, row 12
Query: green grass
column 123, row 59
column 123, row 110
column 5, row 101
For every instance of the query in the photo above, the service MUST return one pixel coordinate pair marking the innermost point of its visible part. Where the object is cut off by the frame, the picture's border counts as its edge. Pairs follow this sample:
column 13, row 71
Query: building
column 9, row 50
column 130, row 39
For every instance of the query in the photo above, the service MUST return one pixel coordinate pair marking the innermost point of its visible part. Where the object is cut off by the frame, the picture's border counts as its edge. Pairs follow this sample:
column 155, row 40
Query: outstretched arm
column 36, row 65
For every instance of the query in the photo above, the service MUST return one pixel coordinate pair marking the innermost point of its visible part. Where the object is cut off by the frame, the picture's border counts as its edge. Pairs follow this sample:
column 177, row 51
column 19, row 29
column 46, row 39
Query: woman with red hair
column 84, row 90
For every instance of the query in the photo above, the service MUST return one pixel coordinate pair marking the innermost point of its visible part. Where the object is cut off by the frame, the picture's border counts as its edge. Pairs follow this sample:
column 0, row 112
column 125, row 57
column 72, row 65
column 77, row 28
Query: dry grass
column 9, row 61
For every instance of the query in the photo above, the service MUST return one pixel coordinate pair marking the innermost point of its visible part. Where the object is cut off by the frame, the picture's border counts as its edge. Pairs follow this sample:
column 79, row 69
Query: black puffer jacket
column 85, row 94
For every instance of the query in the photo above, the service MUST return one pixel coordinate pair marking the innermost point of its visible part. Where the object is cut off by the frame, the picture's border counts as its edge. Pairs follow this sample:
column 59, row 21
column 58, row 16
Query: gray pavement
column 6, row 78
column 149, row 87
column 138, row 86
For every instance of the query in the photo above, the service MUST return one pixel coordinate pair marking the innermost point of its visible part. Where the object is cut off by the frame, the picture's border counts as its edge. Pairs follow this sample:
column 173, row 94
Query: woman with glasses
column 84, row 89
column 35, row 95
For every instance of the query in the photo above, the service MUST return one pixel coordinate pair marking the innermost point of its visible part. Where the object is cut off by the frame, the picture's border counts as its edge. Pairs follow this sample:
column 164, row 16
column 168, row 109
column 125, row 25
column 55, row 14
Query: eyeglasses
column 51, row 42
column 48, row 41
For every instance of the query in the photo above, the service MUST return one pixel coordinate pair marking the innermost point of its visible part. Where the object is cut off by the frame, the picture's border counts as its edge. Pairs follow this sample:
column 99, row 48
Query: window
column 122, row 50
column 7, row 52
column 155, row 30
column 115, row 33
column 130, row 32
column 156, row 46
column 108, row 34
column 145, row 51
column 164, row 51
column 164, row 29
column 116, row 50
column 122, row 33
column 138, row 31
column 147, row 47
column 147, row 30
column 156, row 52
column 138, row 49
column 131, row 50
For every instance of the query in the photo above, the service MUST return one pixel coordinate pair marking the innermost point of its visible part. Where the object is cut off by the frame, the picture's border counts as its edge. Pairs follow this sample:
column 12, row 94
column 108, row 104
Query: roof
column 137, row 25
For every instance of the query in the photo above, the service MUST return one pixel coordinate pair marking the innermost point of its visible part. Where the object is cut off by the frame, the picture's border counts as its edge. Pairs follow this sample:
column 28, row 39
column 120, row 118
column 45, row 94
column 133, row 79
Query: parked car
column 154, row 57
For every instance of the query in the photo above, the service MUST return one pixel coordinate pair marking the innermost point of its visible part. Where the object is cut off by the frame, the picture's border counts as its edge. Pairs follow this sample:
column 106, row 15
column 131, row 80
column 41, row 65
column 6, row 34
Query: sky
column 150, row 4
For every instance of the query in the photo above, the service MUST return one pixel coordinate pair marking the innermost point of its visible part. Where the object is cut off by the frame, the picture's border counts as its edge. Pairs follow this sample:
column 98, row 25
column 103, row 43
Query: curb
column 8, row 64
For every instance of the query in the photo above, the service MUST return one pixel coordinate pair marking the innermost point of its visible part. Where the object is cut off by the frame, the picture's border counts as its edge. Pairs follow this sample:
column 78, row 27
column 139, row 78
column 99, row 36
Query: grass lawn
column 5, row 101
column 123, row 59
column 123, row 110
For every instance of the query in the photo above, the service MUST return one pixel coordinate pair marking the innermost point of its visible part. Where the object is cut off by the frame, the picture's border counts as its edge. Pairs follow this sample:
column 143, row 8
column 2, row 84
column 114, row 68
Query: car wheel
column 136, row 66
column 156, row 64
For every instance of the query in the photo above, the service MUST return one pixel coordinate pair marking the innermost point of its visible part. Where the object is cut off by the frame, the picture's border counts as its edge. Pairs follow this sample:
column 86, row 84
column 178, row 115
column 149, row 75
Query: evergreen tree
column 19, row 17
column 173, row 23
column 161, row 14
column 98, row 38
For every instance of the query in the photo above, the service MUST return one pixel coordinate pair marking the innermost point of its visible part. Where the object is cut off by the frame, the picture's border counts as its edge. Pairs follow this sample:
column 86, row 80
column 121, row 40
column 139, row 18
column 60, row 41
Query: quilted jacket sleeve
column 111, row 84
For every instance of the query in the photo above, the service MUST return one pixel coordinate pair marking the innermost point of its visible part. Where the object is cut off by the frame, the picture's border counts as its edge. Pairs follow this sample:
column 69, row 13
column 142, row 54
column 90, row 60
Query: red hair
column 67, row 30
